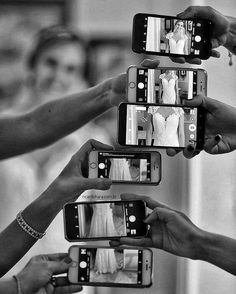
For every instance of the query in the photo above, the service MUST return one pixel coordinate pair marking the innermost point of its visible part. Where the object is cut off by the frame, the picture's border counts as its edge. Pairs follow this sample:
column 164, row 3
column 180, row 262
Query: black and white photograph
column 64, row 77
column 114, row 265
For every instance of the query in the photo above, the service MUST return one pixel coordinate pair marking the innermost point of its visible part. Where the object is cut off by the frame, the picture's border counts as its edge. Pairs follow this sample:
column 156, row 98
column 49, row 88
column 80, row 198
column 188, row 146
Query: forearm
column 231, row 39
column 8, row 286
column 15, row 242
column 52, row 121
column 218, row 250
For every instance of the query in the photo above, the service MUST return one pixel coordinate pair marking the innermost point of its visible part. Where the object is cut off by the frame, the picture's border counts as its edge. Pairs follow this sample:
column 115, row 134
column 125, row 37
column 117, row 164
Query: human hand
column 221, row 25
column 220, row 127
column 37, row 275
column 118, row 85
column 170, row 230
column 74, row 180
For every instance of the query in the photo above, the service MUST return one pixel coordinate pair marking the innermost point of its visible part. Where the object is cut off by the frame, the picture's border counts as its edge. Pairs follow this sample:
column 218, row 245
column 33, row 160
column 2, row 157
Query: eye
column 51, row 62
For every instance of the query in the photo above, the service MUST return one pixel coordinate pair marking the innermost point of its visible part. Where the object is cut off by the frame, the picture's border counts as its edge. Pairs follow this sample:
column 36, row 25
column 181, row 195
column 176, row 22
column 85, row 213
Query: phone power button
column 93, row 165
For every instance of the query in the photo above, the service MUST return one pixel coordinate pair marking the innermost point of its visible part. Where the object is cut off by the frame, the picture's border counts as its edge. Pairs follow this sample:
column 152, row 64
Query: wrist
column 204, row 245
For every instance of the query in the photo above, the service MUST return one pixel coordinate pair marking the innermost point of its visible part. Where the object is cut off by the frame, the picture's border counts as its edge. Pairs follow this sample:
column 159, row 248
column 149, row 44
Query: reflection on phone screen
column 173, row 36
column 129, row 167
column 165, row 86
column 114, row 219
column 109, row 265
column 163, row 126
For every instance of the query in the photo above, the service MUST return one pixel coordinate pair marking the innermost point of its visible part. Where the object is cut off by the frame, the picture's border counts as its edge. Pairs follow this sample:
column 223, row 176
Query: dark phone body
column 196, row 128
column 127, row 219
column 197, row 31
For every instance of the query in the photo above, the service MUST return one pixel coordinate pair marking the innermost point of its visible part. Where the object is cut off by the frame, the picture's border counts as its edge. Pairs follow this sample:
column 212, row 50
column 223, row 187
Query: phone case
column 123, row 285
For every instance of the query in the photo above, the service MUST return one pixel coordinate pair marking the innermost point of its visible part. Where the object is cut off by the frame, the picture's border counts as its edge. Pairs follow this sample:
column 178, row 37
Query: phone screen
column 105, row 219
column 158, row 125
column 169, row 35
column 110, row 265
column 165, row 86
column 131, row 167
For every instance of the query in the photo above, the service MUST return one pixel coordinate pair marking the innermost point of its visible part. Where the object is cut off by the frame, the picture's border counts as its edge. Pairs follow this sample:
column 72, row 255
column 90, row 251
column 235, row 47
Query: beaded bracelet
column 27, row 228
column 18, row 284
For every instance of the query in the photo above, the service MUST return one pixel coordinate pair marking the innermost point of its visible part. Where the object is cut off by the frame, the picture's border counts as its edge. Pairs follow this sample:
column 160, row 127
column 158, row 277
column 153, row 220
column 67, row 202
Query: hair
column 49, row 36
column 180, row 20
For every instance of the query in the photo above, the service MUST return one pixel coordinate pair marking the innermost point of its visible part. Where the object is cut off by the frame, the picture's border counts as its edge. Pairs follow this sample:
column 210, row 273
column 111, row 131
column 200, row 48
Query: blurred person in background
column 57, row 65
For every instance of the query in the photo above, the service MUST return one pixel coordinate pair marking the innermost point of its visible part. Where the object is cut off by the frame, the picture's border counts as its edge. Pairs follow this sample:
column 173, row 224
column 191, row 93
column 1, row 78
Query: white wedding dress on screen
column 166, row 129
column 119, row 170
column 176, row 47
column 105, row 261
column 169, row 92
column 102, row 223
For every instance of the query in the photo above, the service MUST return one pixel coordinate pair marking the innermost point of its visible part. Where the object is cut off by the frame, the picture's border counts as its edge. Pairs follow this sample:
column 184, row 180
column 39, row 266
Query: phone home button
column 132, row 85
column 93, row 165
column 74, row 264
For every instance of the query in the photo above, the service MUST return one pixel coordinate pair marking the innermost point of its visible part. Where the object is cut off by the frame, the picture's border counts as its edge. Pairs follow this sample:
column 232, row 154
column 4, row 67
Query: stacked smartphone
column 156, row 115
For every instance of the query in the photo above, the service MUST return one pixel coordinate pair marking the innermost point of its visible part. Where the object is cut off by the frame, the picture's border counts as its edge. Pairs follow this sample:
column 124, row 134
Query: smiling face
column 179, row 26
column 58, row 68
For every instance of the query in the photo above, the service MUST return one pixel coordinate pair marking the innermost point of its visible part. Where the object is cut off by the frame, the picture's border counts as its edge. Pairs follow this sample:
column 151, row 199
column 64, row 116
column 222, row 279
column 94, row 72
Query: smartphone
column 171, row 36
column 111, row 267
column 134, row 167
column 162, row 126
column 104, row 220
column 165, row 85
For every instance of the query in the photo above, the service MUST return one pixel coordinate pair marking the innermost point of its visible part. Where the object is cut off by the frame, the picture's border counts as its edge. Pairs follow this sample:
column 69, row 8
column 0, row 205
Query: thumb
column 59, row 267
column 98, row 184
column 207, row 103
column 212, row 145
column 160, row 214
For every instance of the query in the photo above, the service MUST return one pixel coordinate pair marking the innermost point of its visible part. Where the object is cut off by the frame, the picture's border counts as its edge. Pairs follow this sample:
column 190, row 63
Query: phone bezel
column 132, row 78
column 122, row 125
column 68, row 219
column 93, row 172
column 73, row 270
column 138, row 32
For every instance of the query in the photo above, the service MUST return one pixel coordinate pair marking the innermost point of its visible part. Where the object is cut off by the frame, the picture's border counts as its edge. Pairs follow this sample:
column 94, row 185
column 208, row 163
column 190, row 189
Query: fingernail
column 68, row 260
column 218, row 138
column 190, row 148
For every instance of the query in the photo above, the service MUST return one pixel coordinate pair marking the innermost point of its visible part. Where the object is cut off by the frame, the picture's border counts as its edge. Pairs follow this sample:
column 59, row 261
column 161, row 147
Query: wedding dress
column 119, row 170
column 166, row 129
column 105, row 261
column 169, row 93
column 102, row 223
column 176, row 47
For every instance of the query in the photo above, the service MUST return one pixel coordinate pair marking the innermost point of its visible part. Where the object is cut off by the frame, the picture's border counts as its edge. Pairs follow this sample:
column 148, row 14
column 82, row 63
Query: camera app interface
column 161, row 126
column 111, row 219
column 109, row 265
column 128, row 167
column 173, row 36
column 165, row 86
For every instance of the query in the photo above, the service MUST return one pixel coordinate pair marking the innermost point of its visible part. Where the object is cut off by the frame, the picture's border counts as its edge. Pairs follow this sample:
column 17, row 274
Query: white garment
column 105, row 261
column 102, row 223
column 166, row 129
column 176, row 47
column 119, row 170
column 169, row 93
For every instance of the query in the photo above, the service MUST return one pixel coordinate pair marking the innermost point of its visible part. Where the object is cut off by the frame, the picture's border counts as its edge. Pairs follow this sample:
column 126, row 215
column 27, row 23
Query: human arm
column 173, row 231
column 53, row 120
column 220, row 127
column 67, row 187
column 37, row 275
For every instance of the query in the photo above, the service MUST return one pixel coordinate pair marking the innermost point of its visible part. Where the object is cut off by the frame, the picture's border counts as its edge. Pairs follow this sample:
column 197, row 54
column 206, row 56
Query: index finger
column 56, row 256
column 90, row 145
column 149, row 201
column 150, row 63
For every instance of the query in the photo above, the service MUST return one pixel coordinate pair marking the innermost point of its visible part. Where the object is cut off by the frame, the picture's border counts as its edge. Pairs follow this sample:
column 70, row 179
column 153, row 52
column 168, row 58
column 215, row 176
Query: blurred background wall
column 204, row 187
